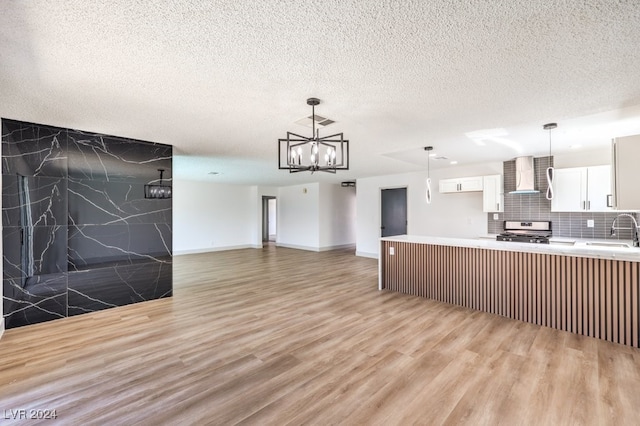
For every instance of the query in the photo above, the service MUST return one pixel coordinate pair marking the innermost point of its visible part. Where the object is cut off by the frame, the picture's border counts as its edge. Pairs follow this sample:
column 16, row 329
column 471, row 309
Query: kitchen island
column 585, row 289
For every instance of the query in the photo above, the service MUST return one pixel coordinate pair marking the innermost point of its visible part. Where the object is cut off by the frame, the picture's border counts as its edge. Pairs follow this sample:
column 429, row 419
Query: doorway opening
column 393, row 212
column 269, row 219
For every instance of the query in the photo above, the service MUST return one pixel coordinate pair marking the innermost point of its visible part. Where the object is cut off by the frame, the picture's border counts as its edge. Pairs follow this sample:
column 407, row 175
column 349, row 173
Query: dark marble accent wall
column 78, row 234
column 537, row 207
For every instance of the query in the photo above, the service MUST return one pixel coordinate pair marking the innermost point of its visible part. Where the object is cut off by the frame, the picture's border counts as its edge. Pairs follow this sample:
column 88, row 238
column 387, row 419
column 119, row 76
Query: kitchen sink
column 612, row 245
column 562, row 243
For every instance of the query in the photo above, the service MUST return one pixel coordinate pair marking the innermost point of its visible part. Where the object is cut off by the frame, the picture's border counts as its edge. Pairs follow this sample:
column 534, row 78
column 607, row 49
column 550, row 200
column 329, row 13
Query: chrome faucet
column 636, row 240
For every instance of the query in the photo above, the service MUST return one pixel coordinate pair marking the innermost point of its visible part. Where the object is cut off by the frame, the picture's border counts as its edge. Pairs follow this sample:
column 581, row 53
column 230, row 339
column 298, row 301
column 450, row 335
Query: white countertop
column 562, row 246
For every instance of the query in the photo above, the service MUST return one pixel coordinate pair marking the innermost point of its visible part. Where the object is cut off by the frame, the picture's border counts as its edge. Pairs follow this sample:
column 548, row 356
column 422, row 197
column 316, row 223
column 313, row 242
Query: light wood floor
column 280, row 336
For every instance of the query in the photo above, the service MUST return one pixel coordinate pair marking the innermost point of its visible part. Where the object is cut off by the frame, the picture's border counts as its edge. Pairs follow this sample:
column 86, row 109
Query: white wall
column 298, row 216
column 210, row 216
column 316, row 216
column 451, row 215
column 337, row 216
column 260, row 191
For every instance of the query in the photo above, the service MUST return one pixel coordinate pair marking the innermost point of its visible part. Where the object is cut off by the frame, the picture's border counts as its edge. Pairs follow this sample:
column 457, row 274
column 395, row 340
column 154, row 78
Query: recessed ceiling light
column 433, row 155
column 576, row 146
column 454, row 162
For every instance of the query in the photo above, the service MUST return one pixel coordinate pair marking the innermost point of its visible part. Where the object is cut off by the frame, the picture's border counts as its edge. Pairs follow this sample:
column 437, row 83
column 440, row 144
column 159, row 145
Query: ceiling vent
column 441, row 157
column 320, row 121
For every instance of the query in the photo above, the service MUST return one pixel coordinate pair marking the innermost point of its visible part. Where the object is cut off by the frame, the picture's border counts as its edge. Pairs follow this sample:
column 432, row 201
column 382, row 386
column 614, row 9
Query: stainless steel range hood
column 525, row 176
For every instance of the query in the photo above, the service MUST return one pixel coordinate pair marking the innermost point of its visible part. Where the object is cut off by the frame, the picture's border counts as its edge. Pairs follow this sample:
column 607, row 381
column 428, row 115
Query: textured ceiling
column 223, row 80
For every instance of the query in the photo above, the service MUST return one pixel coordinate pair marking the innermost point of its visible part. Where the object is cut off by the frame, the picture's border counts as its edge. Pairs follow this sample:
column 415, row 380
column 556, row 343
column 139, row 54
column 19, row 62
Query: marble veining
column 107, row 203
column 91, row 245
column 32, row 150
column 102, row 288
column 110, row 159
column 41, row 298
column 78, row 234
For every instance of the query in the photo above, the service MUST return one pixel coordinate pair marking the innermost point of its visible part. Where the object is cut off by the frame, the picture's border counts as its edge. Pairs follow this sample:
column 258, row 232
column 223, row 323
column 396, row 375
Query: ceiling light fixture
column 428, row 193
column 159, row 190
column 550, row 170
column 298, row 153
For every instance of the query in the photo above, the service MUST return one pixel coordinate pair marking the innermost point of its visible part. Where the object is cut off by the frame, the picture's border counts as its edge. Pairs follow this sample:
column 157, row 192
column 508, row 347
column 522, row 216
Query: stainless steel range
column 537, row 232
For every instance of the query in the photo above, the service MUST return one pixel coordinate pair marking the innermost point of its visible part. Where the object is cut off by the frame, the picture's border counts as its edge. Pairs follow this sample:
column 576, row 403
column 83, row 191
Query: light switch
column 392, row 251
column 590, row 223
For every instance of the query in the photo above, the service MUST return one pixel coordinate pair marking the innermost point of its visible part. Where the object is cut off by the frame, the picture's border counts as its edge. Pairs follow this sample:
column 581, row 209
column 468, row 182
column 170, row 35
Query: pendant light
column 298, row 153
column 550, row 170
column 428, row 193
column 157, row 190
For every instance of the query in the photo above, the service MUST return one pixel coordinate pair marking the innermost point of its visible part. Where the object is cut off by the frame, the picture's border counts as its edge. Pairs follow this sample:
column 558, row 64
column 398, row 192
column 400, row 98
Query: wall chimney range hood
column 525, row 176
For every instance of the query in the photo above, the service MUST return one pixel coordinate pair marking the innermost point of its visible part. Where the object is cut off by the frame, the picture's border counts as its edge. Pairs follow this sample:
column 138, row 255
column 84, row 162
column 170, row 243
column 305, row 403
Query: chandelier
column 158, row 190
column 298, row 153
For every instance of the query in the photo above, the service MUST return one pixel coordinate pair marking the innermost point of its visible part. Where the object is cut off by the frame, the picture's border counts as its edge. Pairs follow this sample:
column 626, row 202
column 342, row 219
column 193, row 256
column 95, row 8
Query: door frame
column 380, row 189
column 265, row 217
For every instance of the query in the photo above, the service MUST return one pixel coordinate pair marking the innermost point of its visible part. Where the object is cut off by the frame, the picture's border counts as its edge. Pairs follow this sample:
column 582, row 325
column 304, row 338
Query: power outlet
column 392, row 251
column 590, row 223
column 496, row 216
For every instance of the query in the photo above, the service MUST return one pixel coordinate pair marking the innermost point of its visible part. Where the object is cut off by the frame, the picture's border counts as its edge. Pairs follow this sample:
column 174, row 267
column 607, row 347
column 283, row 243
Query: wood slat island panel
column 582, row 295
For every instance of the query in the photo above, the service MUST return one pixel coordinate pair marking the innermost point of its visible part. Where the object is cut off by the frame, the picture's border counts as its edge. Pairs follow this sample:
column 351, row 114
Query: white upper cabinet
column 492, row 194
column 569, row 190
column 448, row 185
column 626, row 173
column 582, row 189
column 599, row 190
column 467, row 184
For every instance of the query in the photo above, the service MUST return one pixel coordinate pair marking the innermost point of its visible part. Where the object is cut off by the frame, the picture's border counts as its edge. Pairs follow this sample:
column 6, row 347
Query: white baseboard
column 366, row 254
column 338, row 247
column 308, row 248
column 297, row 247
column 212, row 249
column 1, row 327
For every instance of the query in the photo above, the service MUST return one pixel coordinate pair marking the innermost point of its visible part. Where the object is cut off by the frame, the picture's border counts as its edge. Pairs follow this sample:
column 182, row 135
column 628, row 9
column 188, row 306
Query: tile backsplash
column 537, row 207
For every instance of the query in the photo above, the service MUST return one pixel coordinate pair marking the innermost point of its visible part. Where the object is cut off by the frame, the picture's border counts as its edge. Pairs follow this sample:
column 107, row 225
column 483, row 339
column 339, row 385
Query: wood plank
column 249, row 337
